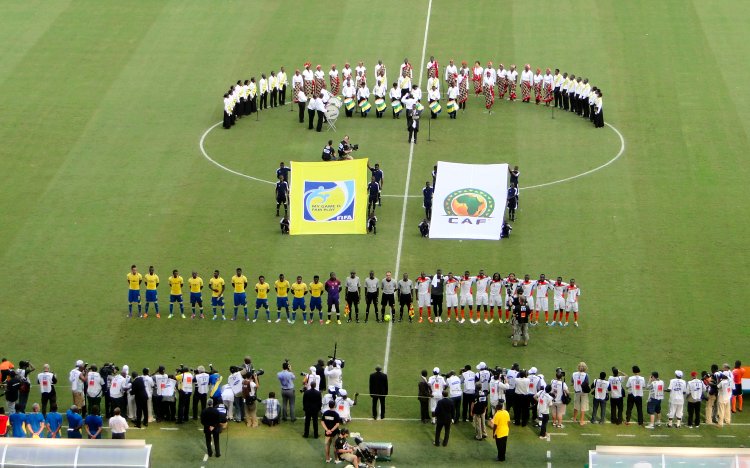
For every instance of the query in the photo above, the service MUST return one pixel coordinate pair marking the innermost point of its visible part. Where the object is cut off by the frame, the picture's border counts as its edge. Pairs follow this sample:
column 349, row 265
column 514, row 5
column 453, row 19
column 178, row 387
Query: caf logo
column 329, row 201
column 469, row 202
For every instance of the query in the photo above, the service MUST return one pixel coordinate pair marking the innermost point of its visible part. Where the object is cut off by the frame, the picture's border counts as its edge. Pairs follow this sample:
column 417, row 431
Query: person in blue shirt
column 35, row 422
column 75, row 421
column 427, row 192
column 54, row 422
column 18, row 421
column 93, row 424
column 214, row 386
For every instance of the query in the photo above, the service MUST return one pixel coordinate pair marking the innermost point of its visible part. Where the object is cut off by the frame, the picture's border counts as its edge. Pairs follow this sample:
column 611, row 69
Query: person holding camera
column 94, row 386
column 249, row 393
column 345, row 149
column 76, row 378
column 185, row 388
column 615, row 396
column 201, row 390
column 286, row 379
column 562, row 398
column 47, row 381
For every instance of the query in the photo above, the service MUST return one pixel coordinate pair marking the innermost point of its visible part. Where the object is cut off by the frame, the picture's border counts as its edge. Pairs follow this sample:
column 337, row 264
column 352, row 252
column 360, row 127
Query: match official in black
column 378, row 391
column 312, row 402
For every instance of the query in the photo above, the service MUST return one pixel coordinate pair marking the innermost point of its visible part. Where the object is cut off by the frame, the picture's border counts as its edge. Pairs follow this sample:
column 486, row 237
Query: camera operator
column 328, row 152
column 107, row 373
column 12, row 387
column 47, row 381
column 498, row 386
column 249, row 393
column 311, row 380
column 95, row 384
column 201, row 390
column 334, row 374
column 235, row 384
column 117, row 391
column 25, row 368
column 286, row 379
column 76, row 378
column 160, row 382
column 346, row 149
column 185, row 387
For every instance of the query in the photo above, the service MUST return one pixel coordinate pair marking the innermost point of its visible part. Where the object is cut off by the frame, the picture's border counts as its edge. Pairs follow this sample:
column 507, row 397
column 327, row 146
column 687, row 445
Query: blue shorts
column 298, row 303
column 151, row 295
column 653, row 406
column 261, row 303
column 195, row 297
column 240, row 299
column 282, row 302
column 316, row 303
column 217, row 301
column 175, row 298
column 134, row 295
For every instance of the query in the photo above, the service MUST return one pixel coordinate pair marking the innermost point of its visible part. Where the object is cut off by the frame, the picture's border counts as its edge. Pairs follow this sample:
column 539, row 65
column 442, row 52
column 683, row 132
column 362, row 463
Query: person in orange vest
column 737, row 373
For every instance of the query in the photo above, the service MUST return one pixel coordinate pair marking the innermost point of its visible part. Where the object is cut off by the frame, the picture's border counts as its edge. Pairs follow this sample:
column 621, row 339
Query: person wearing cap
column 330, row 420
column 677, row 389
column 312, row 403
column 330, row 395
column 536, row 383
column 378, row 391
column 443, row 418
column 437, row 385
column 200, row 395
column 344, row 405
column 695, row 389
column 635, row 385
column 615, row 396
column 312, row 379
column 76, row 379
column 211, row 421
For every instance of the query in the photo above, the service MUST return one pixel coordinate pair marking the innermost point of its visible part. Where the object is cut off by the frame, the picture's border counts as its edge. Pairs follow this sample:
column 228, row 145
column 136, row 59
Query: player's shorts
column 261, row 303
column 298, row 303
column 240, row 299
column 653, row 406
column 542, row 304
column 530, row 302
column 134, row 295
column 466, row 299
column 482, row 299
column 217, row 301
column 316, row 303
column 496, row 300
column 175, row 298
column 333, row 306
column 282, row 302
column 423, row 299
column 571, row 307
column 280, row 199
column 737, row 389
column 195, row 297
column 151, row 295
column 559, row 304
column 451, row 300
column 388, row 299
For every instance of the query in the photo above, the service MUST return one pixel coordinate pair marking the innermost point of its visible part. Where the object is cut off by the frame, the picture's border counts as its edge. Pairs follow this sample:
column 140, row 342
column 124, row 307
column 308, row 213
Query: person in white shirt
column 273, row 88
column 433, row 96
column 452, row 105
column 312, row 107
column 281, row 81
column 655, row 396
column 360, row 73
column 677, row 390
column 348, row 91
column 468, row 378
column 380, row 75
column 312, row 380
column 521, row 399
column 319, row 81
column 541, row 302
column 263, row 91
column 616, row 393
column 333, row 80
column 695, row 388
column 581, row 388
column 379, row 92
column 511, row 286
column 200, row 396
column 560, row 391
column 118, row 425
column 558, row 302
column 451, row 295
column 423, row 296
column 600, row 388
column 437, row 384
column 76, row 379
column 94, row 385
column 598, row 114
column 572, row 292
column 404, row 83
column 118, row 388
column 252, row 94
column 502, row 82
column 320, row 109
column 406, row 68
column 465, row 295
column 511, row 79
column 527, row 287
column 482, row 281
column 346, row 72
column 496, row 297
column 538, row 80
column 451, row 72
column 227, row 398
column 363, row 96
column 477, row 75
column 723, row 401
column 547, row 87
column 334, row 374
column 488, row 87
column 395, row 95
column 498, row 386
column 344, row 405
column 307, row 79
column 635, row 385
column 463, row 85
column 455, row 392
column 301, row 101
column 527, row 78
column 544, row 401
column 536, row 383
column 416, row 92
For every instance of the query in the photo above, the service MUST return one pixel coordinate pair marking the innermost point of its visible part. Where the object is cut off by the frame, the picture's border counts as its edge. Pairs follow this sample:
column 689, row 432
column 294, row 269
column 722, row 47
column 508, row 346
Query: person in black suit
column 138, row 389
column 211, row 420
column 312, row 402
column 444, row 417
column 378, row 391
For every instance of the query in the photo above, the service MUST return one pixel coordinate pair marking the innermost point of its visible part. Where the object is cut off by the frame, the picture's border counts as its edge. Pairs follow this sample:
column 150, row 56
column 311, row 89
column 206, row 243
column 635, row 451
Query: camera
column 23, row 364
column 355, row 147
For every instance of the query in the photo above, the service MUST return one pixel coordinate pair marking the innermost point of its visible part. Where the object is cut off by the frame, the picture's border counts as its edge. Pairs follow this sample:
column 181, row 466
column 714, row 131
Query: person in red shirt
column 737, row 373
column 3, row 423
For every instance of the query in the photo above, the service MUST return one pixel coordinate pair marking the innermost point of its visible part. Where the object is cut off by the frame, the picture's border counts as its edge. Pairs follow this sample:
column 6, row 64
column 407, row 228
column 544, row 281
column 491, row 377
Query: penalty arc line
column 406, row 193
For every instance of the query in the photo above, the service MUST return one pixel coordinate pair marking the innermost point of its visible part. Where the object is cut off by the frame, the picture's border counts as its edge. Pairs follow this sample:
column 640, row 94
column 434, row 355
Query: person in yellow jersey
column 239, row 282
column 175, row 293
column 299, row 289
column 316, row 301
column 282, row 298
column 195, row 283
column 152, row 283
column 500, row 428
column 216, row 283
column 134, row 290
column 261, row 300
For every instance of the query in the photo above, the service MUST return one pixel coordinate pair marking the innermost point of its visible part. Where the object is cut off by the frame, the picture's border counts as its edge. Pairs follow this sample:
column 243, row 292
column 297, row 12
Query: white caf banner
column 469, row 201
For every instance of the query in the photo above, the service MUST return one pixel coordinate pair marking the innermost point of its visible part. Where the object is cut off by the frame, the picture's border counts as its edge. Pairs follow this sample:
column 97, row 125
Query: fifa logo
column 329, row 201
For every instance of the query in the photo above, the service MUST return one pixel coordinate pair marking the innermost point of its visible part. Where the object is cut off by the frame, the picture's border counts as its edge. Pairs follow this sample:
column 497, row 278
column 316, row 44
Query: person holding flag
column 363, row 98
column 395, row 95
column 433, row 97
column 452, row 95
column 379, row 91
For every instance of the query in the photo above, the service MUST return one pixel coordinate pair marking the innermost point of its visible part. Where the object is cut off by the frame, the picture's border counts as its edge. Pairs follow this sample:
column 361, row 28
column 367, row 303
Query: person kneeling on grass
column 372, row 223
column 284, row 224
column 271, row 418
column 424, row 228
column 345, row 451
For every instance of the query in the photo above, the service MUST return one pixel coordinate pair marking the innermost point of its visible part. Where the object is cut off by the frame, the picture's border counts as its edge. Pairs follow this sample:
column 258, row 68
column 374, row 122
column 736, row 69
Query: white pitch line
column 205, row 457
column 591, row 435
column 219, row 165
column 406, row 192
column 625, row 435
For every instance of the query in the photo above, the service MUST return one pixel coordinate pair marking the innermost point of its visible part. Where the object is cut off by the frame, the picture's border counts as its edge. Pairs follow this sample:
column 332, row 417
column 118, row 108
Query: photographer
column 311, row 380
column 235, row 384
column 95, row 384
column 346, row 149
column 185, row 387
column 77, row 377
column 249, row 393
column 328, row 152
column 25, row 368
column 334, row 374
column 47, row 381
column 160, row 382
column 286, row 379
column 498, row 386
column 201, row 390
column 108, row 372
column 562, row 398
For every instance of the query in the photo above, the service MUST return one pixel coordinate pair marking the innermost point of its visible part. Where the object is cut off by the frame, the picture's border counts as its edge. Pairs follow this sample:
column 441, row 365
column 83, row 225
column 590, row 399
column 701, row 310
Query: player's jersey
column 134, row 281
column 196, row 284
column 282, row 288
column 299, row 289
column 175, row 285
column 542, row 288
column 239, row 283
column 527, row 287
column 151, row 281
column 262, row 290
column 423, row 285
column 466, row 285
column 450, row 286
column 559, row 290
column 316, row 289
column 572, row 293
column 482, row 283
column 216, row 285
column 496, row 287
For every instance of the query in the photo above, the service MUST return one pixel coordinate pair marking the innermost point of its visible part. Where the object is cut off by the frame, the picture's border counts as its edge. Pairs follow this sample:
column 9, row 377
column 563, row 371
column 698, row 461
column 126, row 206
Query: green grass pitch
column 104, row 104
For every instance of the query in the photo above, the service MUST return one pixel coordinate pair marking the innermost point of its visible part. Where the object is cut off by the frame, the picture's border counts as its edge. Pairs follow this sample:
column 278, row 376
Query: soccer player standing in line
column 216, row 283
column 316, row 303
column 496, row 298
column 542, row 302
column 282, row 298
column 333, row 288
column 482, row 281
column 466, row 296
column 372, row 285
column 558, row 287
column 175, row 293
column 571, row 302
column 527, row 291
column 239, row 282
column 299, row 289
column 451, row 297
column 511, row 286
column 423, row 296
column 152, row 283
column 437, row 289
column 134, row 290
column 261, row 298
column 196, row 286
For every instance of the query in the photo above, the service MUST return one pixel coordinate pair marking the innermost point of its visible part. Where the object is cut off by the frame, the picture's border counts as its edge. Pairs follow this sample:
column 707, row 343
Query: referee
column 372, row 285
column 352, row 295
column 405, row 296
column 388, row 287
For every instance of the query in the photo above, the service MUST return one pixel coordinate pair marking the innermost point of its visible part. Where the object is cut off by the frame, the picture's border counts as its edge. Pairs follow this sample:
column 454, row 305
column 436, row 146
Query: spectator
column 54, row 422
column 312, row 403
column 93, row 424
column 378, row 391
column 75, row 422
column 444, row 412
column 118, row 425
column 47, row 381
column 4, row 421
column 423, row 395
column 271, row 417
column 286, row 379
column 500, row 429
column 34, row 422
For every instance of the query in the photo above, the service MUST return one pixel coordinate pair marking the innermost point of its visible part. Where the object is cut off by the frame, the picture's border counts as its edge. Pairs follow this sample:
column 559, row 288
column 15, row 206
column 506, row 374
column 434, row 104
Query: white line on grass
column 406, row 193
column 205, row 457
column 219, row 165
column 625, row 435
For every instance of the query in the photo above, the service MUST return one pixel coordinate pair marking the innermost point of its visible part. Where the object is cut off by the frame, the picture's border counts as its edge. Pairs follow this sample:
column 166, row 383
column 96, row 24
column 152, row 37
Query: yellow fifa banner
column 328, row 197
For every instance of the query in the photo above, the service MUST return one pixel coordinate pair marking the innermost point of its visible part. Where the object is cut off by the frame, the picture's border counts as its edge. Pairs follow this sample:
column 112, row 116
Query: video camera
column 355, row 147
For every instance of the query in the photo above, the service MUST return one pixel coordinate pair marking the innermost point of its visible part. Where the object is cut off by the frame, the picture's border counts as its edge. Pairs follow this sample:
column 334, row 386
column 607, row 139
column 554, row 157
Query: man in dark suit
column 413, row 122
column 378, row 391
column 444, row 417
column 211, row 420
column 312, row 402
column 138, row 390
